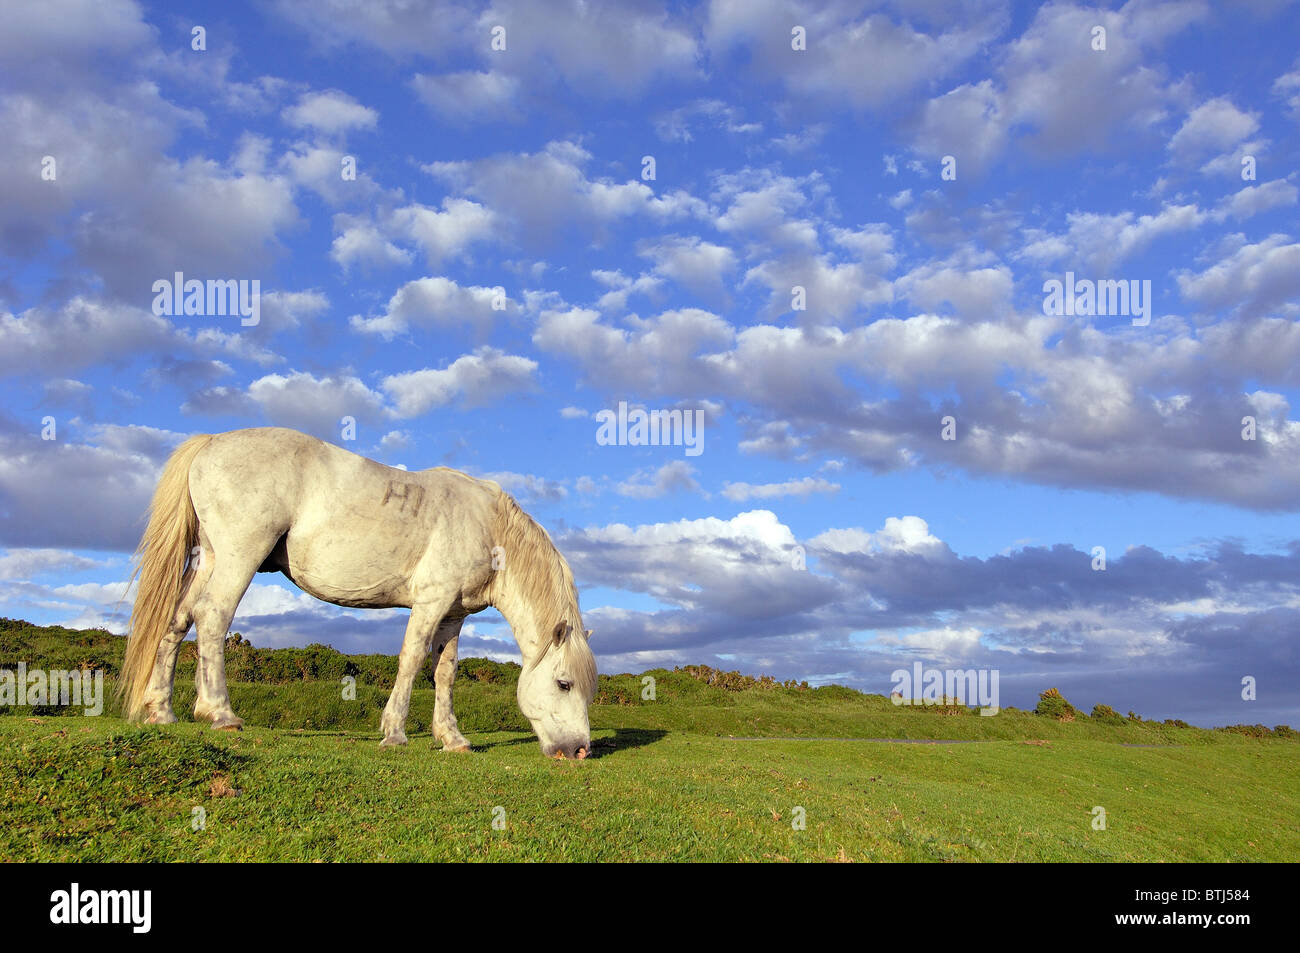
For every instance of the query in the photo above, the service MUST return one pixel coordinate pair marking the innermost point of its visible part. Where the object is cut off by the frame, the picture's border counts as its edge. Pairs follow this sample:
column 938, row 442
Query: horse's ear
column 561, row 633
column 588, row 635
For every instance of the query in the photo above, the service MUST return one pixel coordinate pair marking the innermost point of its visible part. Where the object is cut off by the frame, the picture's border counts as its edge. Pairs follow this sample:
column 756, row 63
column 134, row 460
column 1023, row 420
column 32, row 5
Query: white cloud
column 906, row 534
column 759, row 528
column 395, row 440
column 1253, row 280
column 841, row 40
column 969, row 123
column 1212, row 127
column 330, row 112
column 539, row 195
column 303, row 401
column 676, row 125
column 1100, row 242
column 610, row 50
column 319, row 168
column 365, row 243
column 446, row 233
column 673, row 476
column 621, row 288
column 1257, row 199
column 70, row 494
column 80, row 333
column 25, row 563
column 430, row 303
column 263, row 599
column 1287, row 86
column 483, row 377
column 68, row 36
column 483, row 96
column 699, row 266
column 976, row 292
column 443, row 235
column 901, row 200
column 285, row 310
column 1053, row 89
column 660, row 354
column 83, row 332
column 806, row 486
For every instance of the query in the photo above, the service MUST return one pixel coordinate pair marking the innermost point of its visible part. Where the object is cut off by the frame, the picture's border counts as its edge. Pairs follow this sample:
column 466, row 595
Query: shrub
column 486, row 670
column 1106, row 715
column 837, row 692
column 940, row 706
column 1053, row 704
column 1250, row 731
column 735, row 681
column 618, row 690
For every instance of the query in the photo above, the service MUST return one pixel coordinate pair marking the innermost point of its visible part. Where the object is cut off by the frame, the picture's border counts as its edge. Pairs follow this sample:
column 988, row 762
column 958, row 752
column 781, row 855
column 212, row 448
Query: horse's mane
column 540, row 577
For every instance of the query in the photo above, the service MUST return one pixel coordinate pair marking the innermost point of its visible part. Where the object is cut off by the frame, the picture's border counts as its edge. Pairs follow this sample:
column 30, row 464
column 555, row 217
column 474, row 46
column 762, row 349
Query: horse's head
column 556, row 689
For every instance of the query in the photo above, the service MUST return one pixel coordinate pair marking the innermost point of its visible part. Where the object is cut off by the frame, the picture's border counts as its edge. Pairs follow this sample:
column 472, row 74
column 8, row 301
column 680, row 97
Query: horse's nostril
column 580, row 753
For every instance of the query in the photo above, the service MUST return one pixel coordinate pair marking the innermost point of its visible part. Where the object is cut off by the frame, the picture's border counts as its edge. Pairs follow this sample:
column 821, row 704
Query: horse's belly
column 349, row 572
column 359, row 595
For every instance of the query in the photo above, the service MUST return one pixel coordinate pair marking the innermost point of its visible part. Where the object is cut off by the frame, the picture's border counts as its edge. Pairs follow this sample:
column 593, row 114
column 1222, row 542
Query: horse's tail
column 162, row 564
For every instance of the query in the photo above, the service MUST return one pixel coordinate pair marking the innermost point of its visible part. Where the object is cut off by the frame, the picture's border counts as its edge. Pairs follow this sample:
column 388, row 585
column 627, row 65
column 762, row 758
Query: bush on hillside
column 1052, row 704
column 735, row 681
column 1250, row 731
column 624, row 689
column 1106, row 715
column 486, row 670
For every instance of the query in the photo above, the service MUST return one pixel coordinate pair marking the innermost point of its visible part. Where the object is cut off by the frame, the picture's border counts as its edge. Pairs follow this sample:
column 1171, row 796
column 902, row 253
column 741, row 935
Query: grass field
column 702, row 772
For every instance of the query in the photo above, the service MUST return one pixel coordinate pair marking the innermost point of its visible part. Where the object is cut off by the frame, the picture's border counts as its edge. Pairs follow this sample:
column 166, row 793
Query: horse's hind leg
column 158, row 698
column 415, row 648
column 445, row 728
column 213, row 611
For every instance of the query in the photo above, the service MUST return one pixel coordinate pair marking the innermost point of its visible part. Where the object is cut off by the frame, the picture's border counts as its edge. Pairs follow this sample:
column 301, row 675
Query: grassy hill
column 717, row 766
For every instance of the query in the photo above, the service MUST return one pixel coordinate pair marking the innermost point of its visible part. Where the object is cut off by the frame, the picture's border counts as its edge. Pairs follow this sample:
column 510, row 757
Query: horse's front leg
column 415, row 648
column 445, row 728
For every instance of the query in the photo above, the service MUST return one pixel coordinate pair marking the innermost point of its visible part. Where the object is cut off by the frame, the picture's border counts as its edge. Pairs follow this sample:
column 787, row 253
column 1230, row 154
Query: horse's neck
column 521, row 614
column 533, row 588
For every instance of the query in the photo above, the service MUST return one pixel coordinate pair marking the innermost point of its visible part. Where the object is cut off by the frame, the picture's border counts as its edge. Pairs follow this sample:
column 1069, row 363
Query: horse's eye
column 564, row 686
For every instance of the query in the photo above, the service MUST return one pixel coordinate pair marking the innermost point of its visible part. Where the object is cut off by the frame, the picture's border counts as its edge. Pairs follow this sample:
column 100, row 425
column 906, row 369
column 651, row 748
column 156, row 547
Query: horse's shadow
column 624, row 738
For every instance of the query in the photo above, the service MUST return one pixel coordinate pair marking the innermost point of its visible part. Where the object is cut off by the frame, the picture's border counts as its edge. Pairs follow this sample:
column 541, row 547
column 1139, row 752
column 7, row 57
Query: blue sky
column 522, row 169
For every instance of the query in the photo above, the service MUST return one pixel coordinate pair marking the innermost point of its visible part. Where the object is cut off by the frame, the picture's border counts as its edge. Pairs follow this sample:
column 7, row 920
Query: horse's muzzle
column 576, row 752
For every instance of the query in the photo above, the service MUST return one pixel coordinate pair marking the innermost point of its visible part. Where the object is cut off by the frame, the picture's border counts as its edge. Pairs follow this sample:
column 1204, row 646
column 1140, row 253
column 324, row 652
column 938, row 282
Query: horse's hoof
column 161, row 718
column 393, row 741
column 236, row 724
column 459, row 749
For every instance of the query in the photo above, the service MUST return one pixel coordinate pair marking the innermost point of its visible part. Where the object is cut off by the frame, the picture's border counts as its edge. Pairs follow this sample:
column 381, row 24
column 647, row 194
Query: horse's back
column 344, row 528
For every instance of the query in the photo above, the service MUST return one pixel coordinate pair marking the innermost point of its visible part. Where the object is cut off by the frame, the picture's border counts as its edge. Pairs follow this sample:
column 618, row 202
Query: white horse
column 355, row 533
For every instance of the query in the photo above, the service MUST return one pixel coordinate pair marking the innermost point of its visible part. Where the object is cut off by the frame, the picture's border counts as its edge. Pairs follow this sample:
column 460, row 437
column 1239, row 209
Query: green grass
column 307, row 781
column 97, row 789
